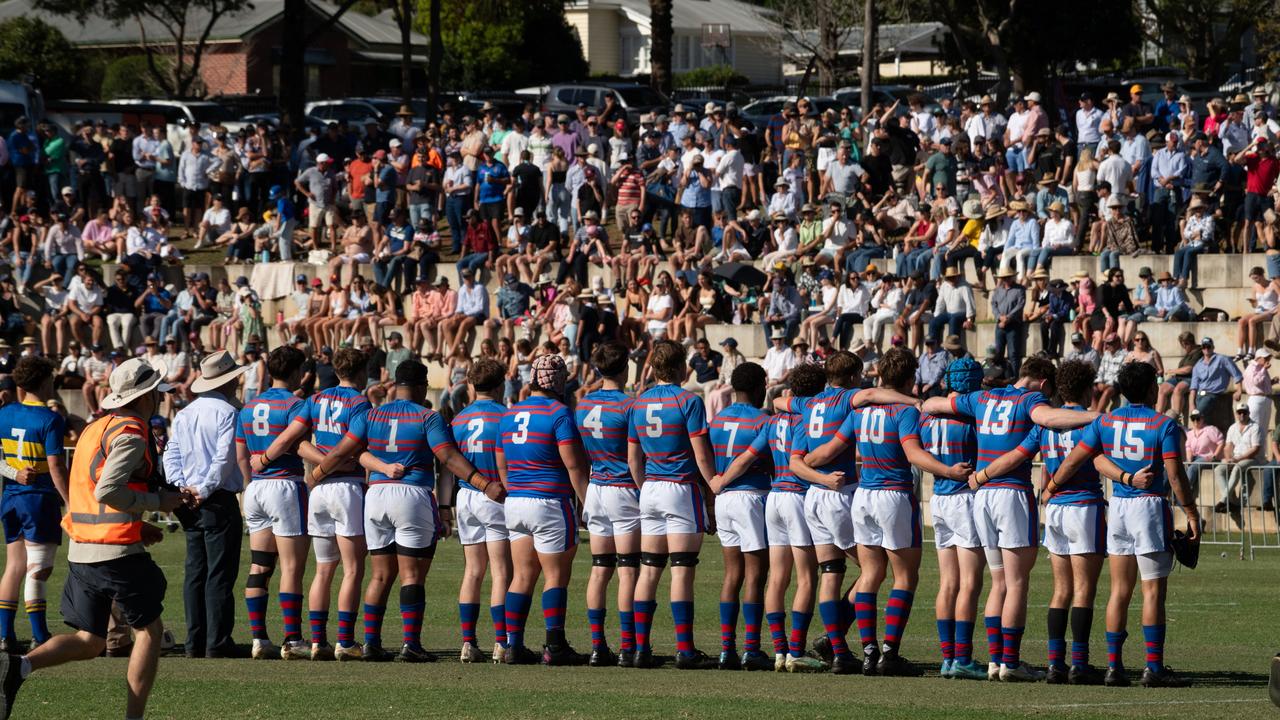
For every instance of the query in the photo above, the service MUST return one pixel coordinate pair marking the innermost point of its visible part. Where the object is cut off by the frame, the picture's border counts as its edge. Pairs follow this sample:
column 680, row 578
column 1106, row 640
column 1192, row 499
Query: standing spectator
column 1255, row 386
column 458, row 190
column 201, row 457
column 1242, row 450
column 492, row 179
column 319, row 184
column 1007, row 304
column 1211, row 377
column 1168, row 172
column 195, row 174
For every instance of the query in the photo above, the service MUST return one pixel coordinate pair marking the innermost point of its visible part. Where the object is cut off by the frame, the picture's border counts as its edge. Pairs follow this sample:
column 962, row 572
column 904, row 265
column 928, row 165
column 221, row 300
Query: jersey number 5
column 653, row 426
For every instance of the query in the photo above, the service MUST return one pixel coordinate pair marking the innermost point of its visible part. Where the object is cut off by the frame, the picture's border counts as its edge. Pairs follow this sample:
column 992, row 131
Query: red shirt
column 357, row 171
column 480, row 238
column 630, row 188
column 1262, row 173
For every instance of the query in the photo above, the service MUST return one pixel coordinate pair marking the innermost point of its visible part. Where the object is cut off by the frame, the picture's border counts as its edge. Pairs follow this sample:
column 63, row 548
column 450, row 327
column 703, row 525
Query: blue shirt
column 733, row 431
column 1213, row 375
column 602, row 422
column 1054, row 446
column 530, row 435
column 153, row 302
column 328, row 414
column 404, row 432
column 777, row 438
column 260, row 421
column 24, row 149
column 1167, row 163
column 950, row 440
column 475, row 430
column 1135, row 437
column 821, row 417
column 1004, row 419
column 398, row 236
column 385, row 187
column 491, row 192
column 878, row 432
column 285, row 210
column 663, row 421
column 1023, row 234
column 33, row 434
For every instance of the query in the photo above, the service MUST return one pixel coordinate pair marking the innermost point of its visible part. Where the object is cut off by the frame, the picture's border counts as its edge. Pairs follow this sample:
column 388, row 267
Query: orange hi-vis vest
column 87, row 520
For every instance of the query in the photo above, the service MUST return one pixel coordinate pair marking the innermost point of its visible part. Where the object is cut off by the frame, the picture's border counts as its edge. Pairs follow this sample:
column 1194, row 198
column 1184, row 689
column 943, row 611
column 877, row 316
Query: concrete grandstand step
column 1164, row 338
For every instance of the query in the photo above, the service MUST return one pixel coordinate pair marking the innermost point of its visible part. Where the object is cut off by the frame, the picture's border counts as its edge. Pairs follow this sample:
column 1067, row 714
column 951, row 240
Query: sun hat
column 131, row 380
column 217, row 370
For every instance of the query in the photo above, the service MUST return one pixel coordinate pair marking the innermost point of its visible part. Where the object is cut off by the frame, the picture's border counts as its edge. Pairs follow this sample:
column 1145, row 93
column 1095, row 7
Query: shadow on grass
column 1226, row 678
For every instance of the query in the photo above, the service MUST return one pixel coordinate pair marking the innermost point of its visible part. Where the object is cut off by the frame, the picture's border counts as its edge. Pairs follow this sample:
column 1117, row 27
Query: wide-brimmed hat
column 1005, row 272
column 995, row 211
column 951, row 271
column 973, row 209
column 952, row 342
column 1116, row 201
column 1056, row 206
column 217, row 370
column 131, row 380
column 1039, row 274
column 405, row 111
column 1018, row 206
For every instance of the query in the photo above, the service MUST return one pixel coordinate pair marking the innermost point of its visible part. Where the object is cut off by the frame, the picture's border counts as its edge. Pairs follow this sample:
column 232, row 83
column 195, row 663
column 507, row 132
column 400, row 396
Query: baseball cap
column 411, row 372
column 323, row 158
column 1242, row 406
column 1261, row 353
column 1077, row 338
column 1206, row 341
column 729, row 342
column 300, row 278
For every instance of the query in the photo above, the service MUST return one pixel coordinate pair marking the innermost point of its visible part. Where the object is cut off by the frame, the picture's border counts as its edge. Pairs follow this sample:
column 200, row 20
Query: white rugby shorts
column 829, row 516
column 276, row 505
column 551, row 522
column 478, row 518
column 612, row 510
column 784, row 520
column 400, row 514
column 336, row 507
column 740, row 520
column 1006, row 518
column 888, row 519
column 668, row 508
column 1075, row 529
column 953, row 521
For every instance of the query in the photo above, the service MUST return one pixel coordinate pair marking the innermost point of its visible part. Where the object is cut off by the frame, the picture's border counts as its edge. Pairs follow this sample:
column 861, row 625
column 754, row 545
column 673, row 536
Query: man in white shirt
column 1241, row 453
column 1114, row 171
column 955, row 307
column 1088, row 122
column 201, row 456
column 728, row 174
column 473, row 310
column 836, row 233
column 987, row 123
column 778, row 361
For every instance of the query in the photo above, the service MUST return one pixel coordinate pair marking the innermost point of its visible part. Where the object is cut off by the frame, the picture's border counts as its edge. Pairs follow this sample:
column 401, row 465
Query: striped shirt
column 328, row 414
column 777, row 438
column 821, row 417
column 602, row 422
column 260, row 421
column 733, row 431
column 404, row 432
column 33, row 434
column 475, row 430
column 663, row 421
column 530, row 435
column 1003, row 420
column 878, row 431
column 950, row 440
column 1135, row 437
column 1054, row 446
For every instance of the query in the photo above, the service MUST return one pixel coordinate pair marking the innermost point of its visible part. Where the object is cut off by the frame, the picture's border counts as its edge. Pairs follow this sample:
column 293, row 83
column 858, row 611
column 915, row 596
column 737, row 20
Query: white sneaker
column 780, row 662
column 294, row 650
column 263, row 649
column 1021, row 672
column 470, row 653
column 993, row 671
column 321, row 651
column 499, row 654
column 349, row 653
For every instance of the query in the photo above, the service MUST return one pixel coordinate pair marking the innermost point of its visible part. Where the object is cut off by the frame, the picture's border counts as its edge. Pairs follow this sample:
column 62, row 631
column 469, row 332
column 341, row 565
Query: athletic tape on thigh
column 837, row 566
column 653, row 559
column 263, row 558
column 684, row 559
column 326, row 549
column 604, row 560
column 629, row 559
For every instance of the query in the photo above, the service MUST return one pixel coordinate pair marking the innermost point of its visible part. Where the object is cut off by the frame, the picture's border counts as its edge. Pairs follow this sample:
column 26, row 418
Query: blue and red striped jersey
column 1054, row 446
column 261, row 420
column 1003, row 418
column 1135, row 437
column 404, row 432
column 776, row 439
column 531, row 434
column 950, row 440
column 602, row 422
column 733, row 431
column 879, row 431
column 327, row 414
column 475, row 430
column 663, row 420
column 821, row 417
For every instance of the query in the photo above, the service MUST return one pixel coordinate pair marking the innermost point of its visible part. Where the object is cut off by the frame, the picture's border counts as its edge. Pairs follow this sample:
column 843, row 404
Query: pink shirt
column 1256, row 380
column 1201, row 443
column 96, row 233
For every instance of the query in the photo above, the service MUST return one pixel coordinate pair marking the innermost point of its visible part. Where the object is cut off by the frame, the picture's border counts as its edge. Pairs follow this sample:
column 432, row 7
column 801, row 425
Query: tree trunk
column 406, row 51
column 1001, row 60
column 828, row 53
column 660, row 45
column 291, row 93
column 434, row 56
column 870, row 53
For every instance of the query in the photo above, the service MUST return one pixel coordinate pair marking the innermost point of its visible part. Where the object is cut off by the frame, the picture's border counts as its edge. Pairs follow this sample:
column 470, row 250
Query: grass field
column 1222, row 632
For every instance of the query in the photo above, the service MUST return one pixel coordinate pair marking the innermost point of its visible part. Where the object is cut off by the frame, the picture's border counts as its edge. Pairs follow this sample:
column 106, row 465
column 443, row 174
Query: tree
column 30, row 47
column 173, row 60
column 491, row 43
column 816, row 31
column 291, row 93
column 1204, row 35
column 403, row 12
column 434, row 54
column 660, row 32
column 870, row 53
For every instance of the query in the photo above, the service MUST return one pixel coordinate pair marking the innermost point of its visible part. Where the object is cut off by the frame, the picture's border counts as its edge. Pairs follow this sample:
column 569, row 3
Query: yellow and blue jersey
column 664, row 419
column 733, row 431
column 1003, row 418
column 1054, row 446
column 776, row 439
column 601, row 417
column 531, row 434
column 403, row 432
column 951, row 440
column 261, row 420
column 475, row 430
column 821, row 417
column 878, row 432
column 1135, row 437
column 32, row 433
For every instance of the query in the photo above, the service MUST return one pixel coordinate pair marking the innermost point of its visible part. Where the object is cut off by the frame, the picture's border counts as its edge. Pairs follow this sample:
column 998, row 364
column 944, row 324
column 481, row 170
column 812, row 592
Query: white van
column 18, row 99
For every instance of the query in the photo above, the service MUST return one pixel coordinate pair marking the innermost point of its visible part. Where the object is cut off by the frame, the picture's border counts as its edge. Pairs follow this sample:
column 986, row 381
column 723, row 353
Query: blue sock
column 39, row 624
column 554, row 603
column 517, row 608
column 319, row 622
column 752, row 614
column 995, row 644
column 947, row 639
column 644, row 610
column 595, row 618
column 257, row 610
column 728, row 626
column 8, row 613
column 682, row 616
column 468, row 616
column 1012, row 645
column 627, row 629
column 291, row 614
column 346, row 628
column 498, row 615
column 799, row 632
column 829, row 611
column 373, row 615
column 777, row 631
column 1115, row 649
column 964, row 642
column 1154, row 636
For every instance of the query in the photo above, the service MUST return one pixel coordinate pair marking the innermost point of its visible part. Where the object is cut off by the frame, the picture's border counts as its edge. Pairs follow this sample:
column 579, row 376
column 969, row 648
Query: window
column 565, row 95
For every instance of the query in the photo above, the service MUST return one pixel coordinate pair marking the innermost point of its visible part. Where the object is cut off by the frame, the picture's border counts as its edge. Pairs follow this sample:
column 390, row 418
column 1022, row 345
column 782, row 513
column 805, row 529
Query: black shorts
column 22, row 176
column 134, row 583
column 192, row 199
column 493, row 210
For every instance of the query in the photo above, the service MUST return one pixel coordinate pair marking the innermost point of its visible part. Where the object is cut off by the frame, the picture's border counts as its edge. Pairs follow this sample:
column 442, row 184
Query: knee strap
column 657, row 560
column 257, row 581
column 684, row 559
column 833, row 566
column 604, row 560
column 264, row 559
column 629, row 560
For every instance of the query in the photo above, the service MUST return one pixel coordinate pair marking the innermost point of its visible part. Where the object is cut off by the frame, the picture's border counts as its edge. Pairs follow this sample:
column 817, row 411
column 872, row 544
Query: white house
column 615, row 36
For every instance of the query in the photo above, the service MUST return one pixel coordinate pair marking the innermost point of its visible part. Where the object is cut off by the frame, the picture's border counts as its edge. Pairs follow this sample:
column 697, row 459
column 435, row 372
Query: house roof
column 691, row 15
column 906, row 39
column 368, row 30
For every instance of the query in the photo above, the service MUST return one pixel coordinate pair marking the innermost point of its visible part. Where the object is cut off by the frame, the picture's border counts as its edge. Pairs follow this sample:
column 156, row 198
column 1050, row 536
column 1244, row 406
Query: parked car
column 352, row 112
column 635, row 99
column 201, row 111
column 761, row 110
column 273, row 118
column 16, row 100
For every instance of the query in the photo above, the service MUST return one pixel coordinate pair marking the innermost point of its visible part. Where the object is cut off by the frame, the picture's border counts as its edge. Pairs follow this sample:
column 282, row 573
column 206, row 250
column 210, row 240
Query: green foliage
column 32, row 47
column 493, row 44
column 712, row 75
column 128, row 77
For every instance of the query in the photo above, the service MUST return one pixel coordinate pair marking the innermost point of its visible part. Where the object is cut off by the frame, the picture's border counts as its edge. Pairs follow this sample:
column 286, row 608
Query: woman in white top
column 811, row 327
column 1084, row 185
column 1058, row 236
column 995, row 231
column 887, row 305
column 852, row 305
column 785, row 239
column 660, row 309
column 55, row 321
column 1252, row 325
column 718, row 399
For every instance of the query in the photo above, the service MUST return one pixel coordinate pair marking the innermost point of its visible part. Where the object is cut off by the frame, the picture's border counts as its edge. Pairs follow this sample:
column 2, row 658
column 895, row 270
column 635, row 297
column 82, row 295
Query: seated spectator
column 153, row 305
column 392, row 266
column 357, row 244
column 1059, row 236
column 514, row 302
column 239, row 237
column 1197, row 236
column 1171, row 302
column 55, row 318
column 63, row 246
column 215, row 223
column 1241, row 452
column 1265, row 299
column 719, row 398
column 1119, row 234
